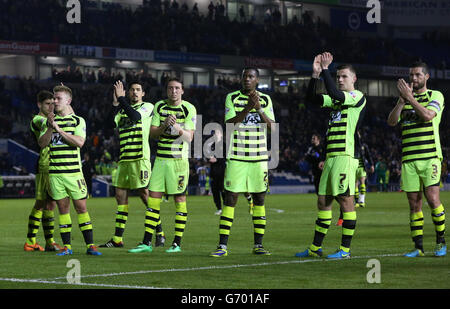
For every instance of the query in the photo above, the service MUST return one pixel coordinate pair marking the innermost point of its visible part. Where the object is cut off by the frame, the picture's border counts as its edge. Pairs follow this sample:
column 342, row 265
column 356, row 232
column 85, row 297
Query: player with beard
column 419, row 111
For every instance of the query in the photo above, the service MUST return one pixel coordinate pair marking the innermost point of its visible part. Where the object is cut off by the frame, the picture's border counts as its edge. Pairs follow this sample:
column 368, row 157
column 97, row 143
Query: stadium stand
column 212, row 33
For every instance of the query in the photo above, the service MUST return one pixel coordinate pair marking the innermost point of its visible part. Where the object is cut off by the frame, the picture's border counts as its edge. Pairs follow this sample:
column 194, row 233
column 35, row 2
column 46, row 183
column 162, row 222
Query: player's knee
column 180, row 198
column 143, row 195
column 39, row 204
column 121, row 196
column 258, row 198
column 230, row 198
column 50, row 205
column 80, row 206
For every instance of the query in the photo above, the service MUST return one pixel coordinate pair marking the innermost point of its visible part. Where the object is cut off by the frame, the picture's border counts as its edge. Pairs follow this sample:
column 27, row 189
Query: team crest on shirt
column 409, row 116
column 125, row 122
column 252, row 119
column 336, row 116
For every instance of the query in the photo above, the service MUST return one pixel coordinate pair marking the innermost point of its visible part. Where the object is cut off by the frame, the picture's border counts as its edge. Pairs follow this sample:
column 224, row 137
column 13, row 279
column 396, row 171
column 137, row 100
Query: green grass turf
column 382, row 233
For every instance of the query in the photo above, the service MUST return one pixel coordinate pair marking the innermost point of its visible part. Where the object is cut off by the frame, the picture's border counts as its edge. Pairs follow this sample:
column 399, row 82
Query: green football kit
column 65, row 171
column 421, row 146
column 339, row 171
column 134, row 168
column 246, row 167
column 171, row 167
column 41, row 182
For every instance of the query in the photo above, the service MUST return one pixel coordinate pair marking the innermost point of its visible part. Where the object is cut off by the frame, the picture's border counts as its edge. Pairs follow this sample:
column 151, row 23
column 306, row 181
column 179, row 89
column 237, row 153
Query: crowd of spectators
column 297, row 118
column 172, row 25
column 165, row 25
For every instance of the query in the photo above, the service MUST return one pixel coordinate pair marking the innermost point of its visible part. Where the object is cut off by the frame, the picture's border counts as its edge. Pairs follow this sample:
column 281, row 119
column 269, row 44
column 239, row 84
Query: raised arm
column 394, row 115
column 406, row 93
column 330, row 84
column 311, row 92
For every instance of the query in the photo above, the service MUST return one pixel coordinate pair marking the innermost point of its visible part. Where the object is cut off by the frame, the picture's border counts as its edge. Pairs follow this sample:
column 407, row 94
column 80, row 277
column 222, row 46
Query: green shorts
column 132, row 174
column 73, row 187
column 242, row 177
column 42, row 186
column 360, row 172
column 338, row 176
column 420, row 173
column 169, row 176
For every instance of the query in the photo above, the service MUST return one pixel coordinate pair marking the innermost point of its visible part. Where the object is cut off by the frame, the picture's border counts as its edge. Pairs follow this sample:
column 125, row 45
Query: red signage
column 15, row 47
column 268, row 63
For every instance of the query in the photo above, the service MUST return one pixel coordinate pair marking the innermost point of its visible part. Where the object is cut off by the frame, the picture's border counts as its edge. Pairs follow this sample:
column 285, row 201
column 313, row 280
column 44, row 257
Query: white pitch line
column 277, row 210
column 53, row 281
column 226, row 266
column 119, row 286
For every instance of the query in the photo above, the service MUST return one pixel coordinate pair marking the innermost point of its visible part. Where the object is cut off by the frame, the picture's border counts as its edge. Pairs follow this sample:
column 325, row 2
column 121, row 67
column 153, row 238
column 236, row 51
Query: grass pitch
column 382, row 233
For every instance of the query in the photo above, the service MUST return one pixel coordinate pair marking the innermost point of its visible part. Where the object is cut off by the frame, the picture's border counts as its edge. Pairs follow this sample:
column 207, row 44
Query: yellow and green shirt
column 420, row 139
column 344, row 120
column 65, row 159
column 134, row 136
column 169, row 146
column 249, row 138
column 36, row 125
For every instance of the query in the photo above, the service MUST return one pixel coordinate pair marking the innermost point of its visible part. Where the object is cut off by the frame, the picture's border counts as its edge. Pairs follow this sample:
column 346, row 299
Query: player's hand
column 119, row 91
column 317, row 68
column 51, row 122
column 51, row 118
column 404, row 89
column 115, row 101
column 51, row 109
column 321, row 164
column 253, row 100
column 326, row 60
column 170, row 121
column 176, row 129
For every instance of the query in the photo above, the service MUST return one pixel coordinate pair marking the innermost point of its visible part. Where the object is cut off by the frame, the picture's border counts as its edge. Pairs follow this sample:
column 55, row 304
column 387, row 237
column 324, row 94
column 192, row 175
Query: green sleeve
column 268, row 110
column 191, row 118
column 156, row 120
column 146, row 110
column 351, row 98
column 436, row 103
column 230, row 112
column 80, row 129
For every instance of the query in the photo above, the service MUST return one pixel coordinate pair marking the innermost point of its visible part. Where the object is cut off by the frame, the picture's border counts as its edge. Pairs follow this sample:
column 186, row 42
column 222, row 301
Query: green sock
column 65, row 229
column 180, row 221
column 226, row 221
column 152, row 217
column 259, row 223
column 34, row 222
column 438, row 216
column 348, row 229
column 416, row 226
column 121, row 220
column 48, row 224
column 322, row 225
column 85, row 225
